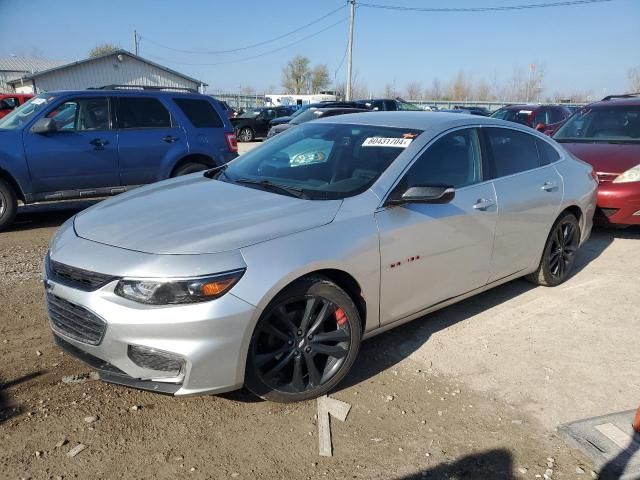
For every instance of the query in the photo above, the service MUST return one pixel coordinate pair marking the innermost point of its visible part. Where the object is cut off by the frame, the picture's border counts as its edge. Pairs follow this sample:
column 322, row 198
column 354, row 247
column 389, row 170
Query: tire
column 188, row 168
column 8, row 204
column 246, row 135
column 321, row 352
column 559, row 253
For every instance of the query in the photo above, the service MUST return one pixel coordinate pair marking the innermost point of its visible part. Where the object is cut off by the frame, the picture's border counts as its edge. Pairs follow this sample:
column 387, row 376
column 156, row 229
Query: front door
column 81, row 154
column 529, row 192
column 433, row 252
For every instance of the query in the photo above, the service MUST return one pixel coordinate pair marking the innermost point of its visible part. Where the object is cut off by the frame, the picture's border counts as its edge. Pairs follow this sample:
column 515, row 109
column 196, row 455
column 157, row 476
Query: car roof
column 617, row 102
column 111, row 92
column 432, row 122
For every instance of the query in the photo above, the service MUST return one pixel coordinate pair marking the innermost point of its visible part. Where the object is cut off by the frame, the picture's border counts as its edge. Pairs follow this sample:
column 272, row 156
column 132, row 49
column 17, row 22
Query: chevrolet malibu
column 268, row 272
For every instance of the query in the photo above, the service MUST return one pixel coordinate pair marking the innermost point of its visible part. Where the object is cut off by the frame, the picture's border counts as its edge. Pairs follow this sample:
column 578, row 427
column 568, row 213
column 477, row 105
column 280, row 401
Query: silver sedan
column 269, row 271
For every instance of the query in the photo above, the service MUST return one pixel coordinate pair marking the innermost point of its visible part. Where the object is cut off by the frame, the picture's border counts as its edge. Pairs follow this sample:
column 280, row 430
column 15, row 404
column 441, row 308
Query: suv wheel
column 559, row 253
column 8, row 204
column 188, row 168
column 246, row 135
column 304, row 343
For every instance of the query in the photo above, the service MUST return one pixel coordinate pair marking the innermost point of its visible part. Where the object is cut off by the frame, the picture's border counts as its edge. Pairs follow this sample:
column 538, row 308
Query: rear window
column 619, row 124
column 517, row 115
column 547, row 153
column 200, row 113
column 139, row 112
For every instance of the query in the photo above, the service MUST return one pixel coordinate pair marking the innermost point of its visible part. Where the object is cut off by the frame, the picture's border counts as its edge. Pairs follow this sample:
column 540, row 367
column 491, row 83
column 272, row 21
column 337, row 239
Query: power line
column 246, row 47
column 259, row 55
column 566, row 3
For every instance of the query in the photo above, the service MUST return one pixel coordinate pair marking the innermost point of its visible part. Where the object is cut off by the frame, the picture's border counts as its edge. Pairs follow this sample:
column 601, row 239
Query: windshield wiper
column 274, row 187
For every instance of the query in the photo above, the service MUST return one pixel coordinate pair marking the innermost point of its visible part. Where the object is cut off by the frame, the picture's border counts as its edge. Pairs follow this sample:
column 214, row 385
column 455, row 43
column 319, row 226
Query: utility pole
column 352, row 14
column 136, row 48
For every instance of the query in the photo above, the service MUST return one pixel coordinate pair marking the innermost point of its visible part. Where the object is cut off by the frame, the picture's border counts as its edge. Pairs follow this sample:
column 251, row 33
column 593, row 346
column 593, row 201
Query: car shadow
column 47, row 214
column 386, row 350
column 7, row 408
column 490, row 465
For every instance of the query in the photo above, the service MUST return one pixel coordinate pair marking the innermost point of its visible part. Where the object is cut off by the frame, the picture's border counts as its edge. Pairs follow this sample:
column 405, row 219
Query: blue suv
column 100, row 142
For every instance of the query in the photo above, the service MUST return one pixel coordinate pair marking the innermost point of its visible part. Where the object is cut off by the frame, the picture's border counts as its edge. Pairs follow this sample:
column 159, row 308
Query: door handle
column 548, row 186
column 99, row 143
column 483, row 204
column 170, row 139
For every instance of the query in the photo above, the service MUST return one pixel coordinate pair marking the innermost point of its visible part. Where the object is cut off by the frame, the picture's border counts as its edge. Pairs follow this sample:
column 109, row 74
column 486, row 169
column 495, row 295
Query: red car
column 544, row 118
column 606, row 134
column 11, row 101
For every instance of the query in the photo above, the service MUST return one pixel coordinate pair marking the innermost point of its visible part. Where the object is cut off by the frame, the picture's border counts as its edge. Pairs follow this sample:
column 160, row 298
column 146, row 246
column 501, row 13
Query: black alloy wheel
column 305, row 342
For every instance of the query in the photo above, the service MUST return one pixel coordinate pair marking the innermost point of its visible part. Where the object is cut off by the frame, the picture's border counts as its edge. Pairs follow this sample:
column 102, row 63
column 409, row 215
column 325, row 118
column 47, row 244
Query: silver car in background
column 269, row 271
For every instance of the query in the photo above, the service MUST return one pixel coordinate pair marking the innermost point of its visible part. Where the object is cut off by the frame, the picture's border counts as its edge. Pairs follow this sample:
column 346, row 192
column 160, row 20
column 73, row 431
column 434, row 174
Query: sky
column 580, row 48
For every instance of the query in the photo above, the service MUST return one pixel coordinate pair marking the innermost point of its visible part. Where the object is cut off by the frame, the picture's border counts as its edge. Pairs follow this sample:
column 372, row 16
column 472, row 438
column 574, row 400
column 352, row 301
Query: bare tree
column 413, row 91
column 634, row 79
column 435, row 91
column 319, row 78
column 389, row 91
column 483, row 92
column 103, row 49
column 295, row 74
column 248, row 90
column 460, row 89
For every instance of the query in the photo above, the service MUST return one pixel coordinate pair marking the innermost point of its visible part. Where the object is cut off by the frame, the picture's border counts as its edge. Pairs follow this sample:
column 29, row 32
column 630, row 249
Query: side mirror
column 44, row 126
column 424, row 194
column 541, row 127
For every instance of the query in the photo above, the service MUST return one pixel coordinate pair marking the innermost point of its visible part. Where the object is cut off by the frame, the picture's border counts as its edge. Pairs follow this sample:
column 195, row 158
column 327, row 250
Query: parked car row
column 101, row 142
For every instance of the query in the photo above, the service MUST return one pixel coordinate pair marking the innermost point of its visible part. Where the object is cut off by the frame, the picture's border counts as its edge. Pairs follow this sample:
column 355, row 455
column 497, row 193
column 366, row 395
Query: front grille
column 154, row 359
column 75, row 321
column 76, row 277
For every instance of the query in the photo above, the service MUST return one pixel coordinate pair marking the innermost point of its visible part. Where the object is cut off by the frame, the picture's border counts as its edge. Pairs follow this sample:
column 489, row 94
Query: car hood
column 282, row 127
column 195, row 214
column 613, row 158
column 281, row 120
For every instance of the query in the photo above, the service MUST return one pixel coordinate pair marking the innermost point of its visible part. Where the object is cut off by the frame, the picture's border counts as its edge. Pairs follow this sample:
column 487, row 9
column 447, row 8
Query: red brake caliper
column 341, row 318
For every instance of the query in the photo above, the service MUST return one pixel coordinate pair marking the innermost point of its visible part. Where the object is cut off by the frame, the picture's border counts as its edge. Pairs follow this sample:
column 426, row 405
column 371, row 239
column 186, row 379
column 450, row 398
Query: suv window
column 512, row 151
column 142, row 112
column 454, row 160
column 547, row 153
column 200, row 113
column 542, row 116
column 82, row 114
column 557, row 115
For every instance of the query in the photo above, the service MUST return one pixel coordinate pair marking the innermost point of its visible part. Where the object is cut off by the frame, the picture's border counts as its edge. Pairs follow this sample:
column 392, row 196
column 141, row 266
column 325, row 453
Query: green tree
column 319, row 78
column 103, row 49
column 296, row 74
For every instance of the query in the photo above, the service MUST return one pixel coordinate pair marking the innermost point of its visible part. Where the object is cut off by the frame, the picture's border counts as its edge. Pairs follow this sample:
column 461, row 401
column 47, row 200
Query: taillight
column 594, row 175
column 232, row 142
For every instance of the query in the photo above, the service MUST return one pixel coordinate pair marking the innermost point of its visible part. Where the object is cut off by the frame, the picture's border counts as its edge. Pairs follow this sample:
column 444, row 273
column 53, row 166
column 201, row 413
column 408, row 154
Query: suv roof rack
column 624, row 95
column 143, row 87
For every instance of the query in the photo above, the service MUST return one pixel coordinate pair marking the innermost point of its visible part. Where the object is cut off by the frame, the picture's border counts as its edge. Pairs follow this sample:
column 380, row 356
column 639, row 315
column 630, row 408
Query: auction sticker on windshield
column 387, row 142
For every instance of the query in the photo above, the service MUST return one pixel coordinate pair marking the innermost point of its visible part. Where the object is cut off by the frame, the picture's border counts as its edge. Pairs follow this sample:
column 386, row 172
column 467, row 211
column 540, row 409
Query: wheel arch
column 6, row 176
column 193, row 158
column 577, row 212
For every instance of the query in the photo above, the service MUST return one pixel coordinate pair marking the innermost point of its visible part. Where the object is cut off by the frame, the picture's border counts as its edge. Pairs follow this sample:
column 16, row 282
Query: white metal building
column 13, row 67
column 116, row 68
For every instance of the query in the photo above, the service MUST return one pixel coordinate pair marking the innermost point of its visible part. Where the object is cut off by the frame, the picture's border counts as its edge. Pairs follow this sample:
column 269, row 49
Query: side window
column 82, row 115
column 547, row 153
column 8, row 103
column 141, row 112
column 557, row 115
column 377, row 105
column 512, row 151
column 454, row 160
column 200, row 113
column 542, row 116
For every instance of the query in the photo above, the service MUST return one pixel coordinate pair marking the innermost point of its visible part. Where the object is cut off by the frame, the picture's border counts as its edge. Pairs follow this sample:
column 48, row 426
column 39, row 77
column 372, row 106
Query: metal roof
column 115, row 52
column 22, row 64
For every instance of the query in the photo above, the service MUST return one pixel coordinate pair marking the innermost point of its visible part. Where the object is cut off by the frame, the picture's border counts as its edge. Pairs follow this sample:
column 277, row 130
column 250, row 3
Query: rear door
column 434, row 252
column 529, row 191
column 149, row 139
column 81, row 155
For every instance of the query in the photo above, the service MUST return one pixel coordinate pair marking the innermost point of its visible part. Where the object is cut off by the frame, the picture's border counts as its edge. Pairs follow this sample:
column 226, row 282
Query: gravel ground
column 474, row 391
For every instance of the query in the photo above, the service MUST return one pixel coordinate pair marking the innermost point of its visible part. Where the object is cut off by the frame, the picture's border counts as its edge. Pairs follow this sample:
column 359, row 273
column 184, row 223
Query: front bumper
column 618, row 203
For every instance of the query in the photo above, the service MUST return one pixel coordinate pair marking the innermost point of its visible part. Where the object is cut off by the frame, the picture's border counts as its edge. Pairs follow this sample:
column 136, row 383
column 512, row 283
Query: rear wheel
column 8, row 204
column 559, row 254
column 305, row 342
column 246, row 135
column 188, row 168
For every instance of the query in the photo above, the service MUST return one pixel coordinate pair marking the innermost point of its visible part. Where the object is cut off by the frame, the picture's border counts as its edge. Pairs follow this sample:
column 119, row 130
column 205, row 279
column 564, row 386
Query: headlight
column 631, row 175
column 169, row 292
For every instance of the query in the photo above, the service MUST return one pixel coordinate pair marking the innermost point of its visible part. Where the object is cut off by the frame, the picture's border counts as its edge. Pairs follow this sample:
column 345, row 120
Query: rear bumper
column 618, row 204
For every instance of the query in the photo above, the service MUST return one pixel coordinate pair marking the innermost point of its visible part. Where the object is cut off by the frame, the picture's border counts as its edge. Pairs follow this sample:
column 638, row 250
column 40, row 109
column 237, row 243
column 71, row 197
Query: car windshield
column 308, row 114
column 23, row 113
column 402, row 105
column 321, row 160
column 602, row 124
column 518, row 115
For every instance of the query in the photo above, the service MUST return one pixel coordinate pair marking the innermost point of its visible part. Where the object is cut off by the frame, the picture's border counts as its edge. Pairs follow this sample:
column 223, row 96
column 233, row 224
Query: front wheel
column 305, row 342
column 246, row 135
column 8, row 204
column 559, row 254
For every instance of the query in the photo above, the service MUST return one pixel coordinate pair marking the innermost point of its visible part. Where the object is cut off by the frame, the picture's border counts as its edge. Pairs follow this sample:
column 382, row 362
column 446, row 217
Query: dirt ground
column 474, row 391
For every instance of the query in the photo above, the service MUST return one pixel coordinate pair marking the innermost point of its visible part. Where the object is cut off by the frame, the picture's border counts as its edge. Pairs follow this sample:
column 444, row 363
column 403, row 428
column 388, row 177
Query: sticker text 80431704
column 387, row 142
